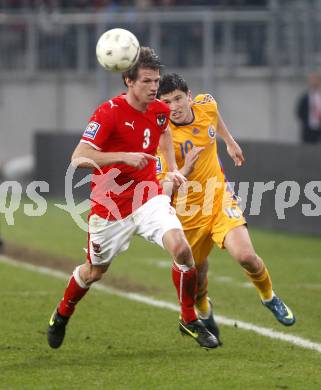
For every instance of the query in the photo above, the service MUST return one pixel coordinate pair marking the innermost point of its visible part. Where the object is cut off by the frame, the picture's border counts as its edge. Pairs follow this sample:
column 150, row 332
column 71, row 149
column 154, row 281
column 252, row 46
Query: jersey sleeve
column 99, row 127
column 209, row 103
column 161, row 166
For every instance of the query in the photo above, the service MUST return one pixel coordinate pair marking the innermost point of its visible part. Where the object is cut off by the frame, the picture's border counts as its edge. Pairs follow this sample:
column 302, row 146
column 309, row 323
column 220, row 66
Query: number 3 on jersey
column 146, row 138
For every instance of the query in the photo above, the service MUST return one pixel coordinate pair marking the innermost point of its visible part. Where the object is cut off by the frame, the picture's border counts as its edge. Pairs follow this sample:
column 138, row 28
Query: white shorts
column 106, row 239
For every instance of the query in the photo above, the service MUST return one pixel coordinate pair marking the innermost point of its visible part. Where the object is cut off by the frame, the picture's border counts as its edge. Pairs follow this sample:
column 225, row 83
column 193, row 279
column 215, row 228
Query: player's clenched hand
column 138, row 160
column 190, row 159
column 235, row 152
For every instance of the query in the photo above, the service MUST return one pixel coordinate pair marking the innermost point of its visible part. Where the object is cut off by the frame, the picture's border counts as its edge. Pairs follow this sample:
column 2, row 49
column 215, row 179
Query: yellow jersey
column 198, row 204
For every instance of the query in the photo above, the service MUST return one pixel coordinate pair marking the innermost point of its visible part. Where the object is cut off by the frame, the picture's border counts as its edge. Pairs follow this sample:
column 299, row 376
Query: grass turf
column 125, row 345
column 118, row 344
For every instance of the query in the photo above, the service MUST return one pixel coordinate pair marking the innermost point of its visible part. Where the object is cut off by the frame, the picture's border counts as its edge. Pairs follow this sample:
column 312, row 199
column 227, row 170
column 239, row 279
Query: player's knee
column 94, row 275
column 247, row 259
column 183, row 253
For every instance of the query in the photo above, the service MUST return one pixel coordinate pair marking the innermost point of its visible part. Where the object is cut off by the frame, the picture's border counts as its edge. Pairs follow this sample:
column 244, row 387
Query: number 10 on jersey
column 186, row 147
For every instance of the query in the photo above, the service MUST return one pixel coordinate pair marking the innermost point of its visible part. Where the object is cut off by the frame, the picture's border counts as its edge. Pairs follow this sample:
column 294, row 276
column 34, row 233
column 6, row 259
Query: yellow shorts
column 203, row 238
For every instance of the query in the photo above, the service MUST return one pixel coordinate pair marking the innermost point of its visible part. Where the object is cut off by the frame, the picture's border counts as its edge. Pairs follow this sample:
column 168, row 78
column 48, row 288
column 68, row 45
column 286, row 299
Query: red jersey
column 115, row 126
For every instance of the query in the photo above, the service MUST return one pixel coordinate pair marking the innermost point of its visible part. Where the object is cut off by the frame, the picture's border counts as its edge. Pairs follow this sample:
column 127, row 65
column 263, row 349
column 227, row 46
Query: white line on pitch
column 299, row 341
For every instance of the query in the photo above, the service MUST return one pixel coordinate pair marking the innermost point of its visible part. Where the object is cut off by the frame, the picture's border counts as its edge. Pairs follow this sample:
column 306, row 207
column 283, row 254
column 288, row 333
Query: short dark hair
column 170, row 82
column 147, row 59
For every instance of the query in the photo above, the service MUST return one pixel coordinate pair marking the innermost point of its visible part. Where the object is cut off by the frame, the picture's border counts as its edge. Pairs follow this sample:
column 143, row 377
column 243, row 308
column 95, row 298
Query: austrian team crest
column 96, row 247
column 161, row 119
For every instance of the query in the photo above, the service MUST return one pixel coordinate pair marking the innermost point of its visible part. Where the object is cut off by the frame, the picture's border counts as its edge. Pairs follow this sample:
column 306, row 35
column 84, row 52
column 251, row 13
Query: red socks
column 185, row 281
column 73, row 294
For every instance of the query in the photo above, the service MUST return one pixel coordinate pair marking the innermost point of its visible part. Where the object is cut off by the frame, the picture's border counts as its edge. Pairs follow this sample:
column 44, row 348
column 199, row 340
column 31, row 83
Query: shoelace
column 279, row 306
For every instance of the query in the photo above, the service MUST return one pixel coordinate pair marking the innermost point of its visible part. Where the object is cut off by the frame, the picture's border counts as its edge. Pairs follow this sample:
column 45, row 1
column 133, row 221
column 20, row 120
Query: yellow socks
column 262, row 282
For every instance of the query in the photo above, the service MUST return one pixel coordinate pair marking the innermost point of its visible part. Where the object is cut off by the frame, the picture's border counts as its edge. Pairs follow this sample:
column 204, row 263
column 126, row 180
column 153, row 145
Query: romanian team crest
column 161, row 119
column 211, row 132
column 195, row 131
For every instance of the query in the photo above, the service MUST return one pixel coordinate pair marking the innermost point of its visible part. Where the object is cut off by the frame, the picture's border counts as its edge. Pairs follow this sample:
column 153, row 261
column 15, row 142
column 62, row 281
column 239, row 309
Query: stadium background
column 252, row 56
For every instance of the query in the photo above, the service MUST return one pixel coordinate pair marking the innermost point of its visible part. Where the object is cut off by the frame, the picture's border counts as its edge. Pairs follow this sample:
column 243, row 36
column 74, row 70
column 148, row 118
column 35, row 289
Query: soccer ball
column 117, row 50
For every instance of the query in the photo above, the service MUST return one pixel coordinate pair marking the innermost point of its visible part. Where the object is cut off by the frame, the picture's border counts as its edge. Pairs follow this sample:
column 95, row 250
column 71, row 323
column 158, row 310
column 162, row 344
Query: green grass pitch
column 114, row 343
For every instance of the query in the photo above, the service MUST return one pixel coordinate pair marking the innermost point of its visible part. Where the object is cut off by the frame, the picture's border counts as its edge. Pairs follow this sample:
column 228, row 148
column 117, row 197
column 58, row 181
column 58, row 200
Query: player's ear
column 189, row 96
column 128, row 82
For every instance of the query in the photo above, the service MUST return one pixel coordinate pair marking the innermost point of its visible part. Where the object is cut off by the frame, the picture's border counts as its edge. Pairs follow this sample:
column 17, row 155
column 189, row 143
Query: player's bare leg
column 78, row 285
column 204, row 305
column 239, row 245
column 184, row 277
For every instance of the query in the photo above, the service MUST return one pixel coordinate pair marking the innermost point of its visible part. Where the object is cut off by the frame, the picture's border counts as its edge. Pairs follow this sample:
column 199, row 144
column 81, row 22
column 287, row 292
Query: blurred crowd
column 99, row 4
column 56, row 45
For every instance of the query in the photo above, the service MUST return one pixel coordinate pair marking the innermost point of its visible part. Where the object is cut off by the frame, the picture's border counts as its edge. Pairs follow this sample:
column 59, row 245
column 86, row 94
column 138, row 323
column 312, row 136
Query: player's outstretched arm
column 167, row 149
column 233, row 148
column 190, row 160
column 86, row 156
column 191, row 157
